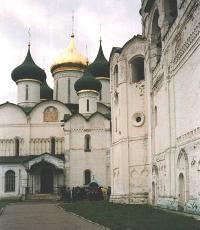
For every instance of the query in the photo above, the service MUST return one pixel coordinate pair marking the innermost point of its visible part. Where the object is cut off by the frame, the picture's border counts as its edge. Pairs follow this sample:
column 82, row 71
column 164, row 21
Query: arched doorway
column 46, row 180
column 181, row 197
column 153, row 193
column 87, row 176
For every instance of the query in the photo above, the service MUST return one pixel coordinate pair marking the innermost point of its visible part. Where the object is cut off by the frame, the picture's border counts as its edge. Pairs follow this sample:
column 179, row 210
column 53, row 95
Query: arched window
column 87, row 143
column 17, row 147
column 10, row 181
column 137, row 68
column 171, row 11
column 87, row 176
column 156, row 42
column 26, row 93
column 53, row 145
column 116, row 76
column 88, row 105
column 50, row 114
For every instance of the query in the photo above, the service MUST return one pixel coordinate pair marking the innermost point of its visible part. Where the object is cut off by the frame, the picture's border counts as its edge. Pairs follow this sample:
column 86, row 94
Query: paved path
column 42, row 216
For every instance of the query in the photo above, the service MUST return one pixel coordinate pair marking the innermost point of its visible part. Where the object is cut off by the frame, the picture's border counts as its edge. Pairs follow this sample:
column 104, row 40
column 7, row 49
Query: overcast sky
column 51, row 24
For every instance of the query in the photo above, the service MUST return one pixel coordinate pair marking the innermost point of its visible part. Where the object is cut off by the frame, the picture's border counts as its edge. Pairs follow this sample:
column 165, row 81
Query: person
column 68, row 195
column 108, row 193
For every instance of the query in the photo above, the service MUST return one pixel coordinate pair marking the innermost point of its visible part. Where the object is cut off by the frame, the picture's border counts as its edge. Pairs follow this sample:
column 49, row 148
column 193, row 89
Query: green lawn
column 5, row 202
column 131, row 217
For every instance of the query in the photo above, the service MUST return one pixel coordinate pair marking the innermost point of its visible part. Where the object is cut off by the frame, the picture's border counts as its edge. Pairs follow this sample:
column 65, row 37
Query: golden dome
column 70, row 58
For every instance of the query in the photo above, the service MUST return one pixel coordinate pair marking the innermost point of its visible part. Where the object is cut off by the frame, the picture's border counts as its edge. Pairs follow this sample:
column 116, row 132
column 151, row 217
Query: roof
column 100, row 66
column 23, row 159
column 87, row 82
column 70, row 57
column 28, row 70
column 46, row 93
column 120, row 49
column 67, row 117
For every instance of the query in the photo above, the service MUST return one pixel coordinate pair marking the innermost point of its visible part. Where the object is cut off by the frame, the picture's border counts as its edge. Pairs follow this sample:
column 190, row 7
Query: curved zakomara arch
column 89, row 118
column 46, row 102
column 34, row 107
column 14, row 105
column 12, row 114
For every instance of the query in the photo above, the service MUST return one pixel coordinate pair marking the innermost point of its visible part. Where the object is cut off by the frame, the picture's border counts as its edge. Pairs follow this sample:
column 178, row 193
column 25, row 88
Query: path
column 42, row 216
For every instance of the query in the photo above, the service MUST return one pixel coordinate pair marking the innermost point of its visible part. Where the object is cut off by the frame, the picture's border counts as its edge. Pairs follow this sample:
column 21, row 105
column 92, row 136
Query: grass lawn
column 5, row 202
column 131, row 217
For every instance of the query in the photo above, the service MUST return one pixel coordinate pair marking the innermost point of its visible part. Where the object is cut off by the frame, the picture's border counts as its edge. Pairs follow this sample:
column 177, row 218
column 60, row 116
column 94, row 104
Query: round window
column 138, row 119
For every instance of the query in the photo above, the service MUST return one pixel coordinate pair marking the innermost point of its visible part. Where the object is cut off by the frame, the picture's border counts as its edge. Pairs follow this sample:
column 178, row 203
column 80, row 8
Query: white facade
column 171, row 108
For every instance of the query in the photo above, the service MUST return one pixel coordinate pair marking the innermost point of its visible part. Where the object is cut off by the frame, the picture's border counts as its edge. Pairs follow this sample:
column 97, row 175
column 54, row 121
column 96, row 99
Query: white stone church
column 61, row 137
column 150, row 154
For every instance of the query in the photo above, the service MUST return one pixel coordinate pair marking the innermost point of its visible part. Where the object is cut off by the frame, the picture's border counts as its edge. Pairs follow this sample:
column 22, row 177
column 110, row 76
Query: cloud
column 50, row 23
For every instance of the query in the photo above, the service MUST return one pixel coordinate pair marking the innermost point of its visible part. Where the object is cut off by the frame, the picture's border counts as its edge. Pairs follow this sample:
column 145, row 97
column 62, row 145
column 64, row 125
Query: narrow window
column 87, row 175
column 10, row 181
column 57, row 90
column 16, row 147
column 53, row 145
column 115, row 124
column 69, row 88
column 100, row 95
column 87, row 143
column 156, row 116
column 26, row 93
column 116, row 76
column 88, row 106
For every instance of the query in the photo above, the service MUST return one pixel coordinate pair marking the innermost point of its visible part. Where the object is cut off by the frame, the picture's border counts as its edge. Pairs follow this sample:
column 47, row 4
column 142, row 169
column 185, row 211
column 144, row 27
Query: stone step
column 39, row 197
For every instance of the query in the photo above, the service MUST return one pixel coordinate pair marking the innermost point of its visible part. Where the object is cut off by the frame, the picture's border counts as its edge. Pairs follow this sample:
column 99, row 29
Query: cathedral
column 60, row 137
column 132, row 123
column 155, row 111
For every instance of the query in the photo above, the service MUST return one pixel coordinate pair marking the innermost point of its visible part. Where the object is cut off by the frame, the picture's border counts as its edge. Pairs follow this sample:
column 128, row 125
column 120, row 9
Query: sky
column 50, row 23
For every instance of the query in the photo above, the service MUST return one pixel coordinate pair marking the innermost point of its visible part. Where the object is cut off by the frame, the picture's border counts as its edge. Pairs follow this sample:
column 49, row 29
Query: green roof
column 100, row 66
column 87, row 82
column 28, row 70
column 46, row 93
column 23, row 159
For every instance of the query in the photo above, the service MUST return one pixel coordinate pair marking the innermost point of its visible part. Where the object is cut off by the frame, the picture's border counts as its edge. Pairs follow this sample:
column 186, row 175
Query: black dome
column 100, row 66
column 87, row 82
column 28, row 70
column 46, row 93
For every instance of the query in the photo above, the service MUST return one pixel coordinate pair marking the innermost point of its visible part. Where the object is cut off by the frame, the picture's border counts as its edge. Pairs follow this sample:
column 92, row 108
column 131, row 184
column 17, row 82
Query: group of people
column 81, row 193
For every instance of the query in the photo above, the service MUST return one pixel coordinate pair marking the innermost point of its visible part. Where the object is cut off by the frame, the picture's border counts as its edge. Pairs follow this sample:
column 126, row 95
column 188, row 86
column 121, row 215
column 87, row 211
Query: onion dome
column 46, row 93
column 87, row 82
column 28, row 70
column 100, row 67
column 69, row 59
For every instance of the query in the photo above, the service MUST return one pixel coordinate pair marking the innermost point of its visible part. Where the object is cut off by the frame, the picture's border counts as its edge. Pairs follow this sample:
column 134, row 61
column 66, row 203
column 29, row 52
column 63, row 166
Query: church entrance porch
column 45, row 175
